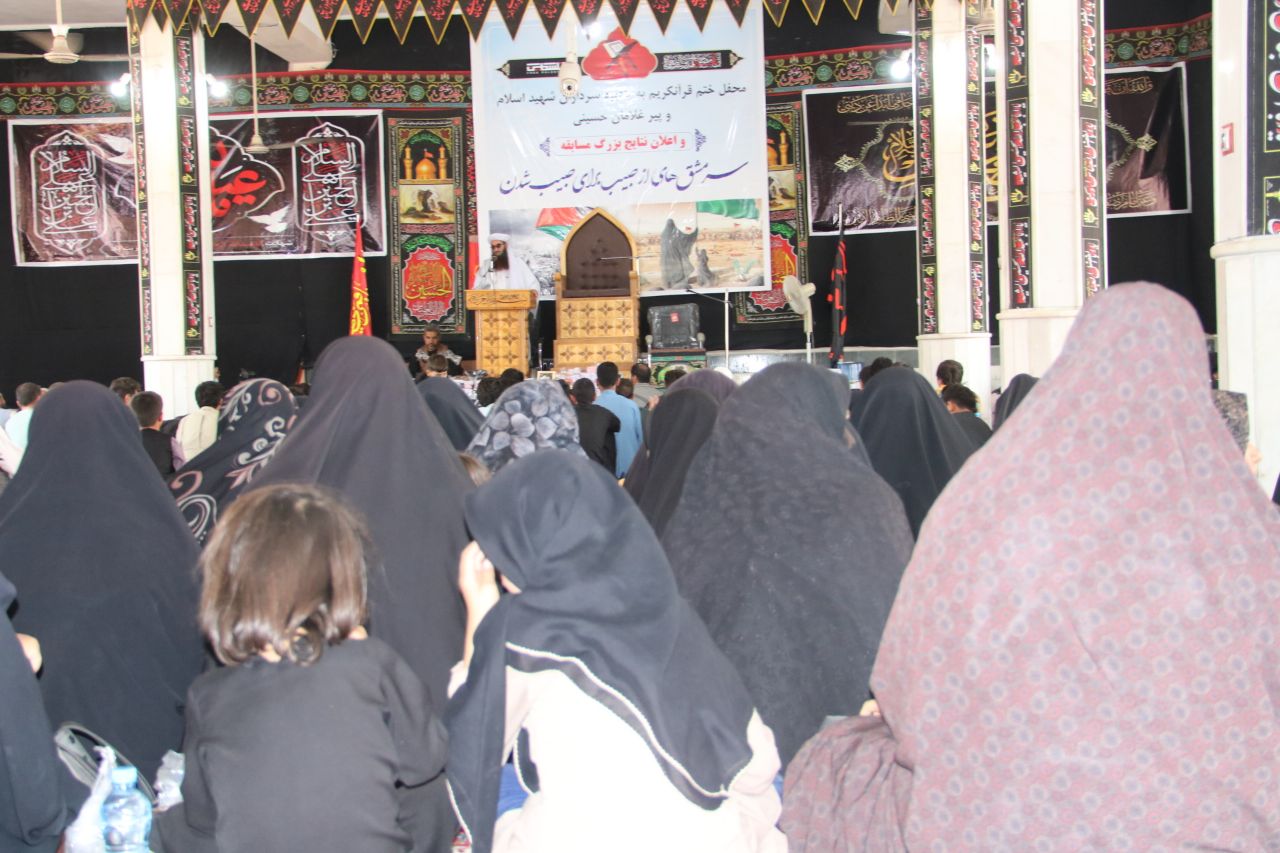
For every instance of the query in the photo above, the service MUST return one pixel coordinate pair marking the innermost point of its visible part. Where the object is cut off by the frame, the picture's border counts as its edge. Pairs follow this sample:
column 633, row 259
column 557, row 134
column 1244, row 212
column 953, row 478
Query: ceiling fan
column 60, row 46
column 257, row 146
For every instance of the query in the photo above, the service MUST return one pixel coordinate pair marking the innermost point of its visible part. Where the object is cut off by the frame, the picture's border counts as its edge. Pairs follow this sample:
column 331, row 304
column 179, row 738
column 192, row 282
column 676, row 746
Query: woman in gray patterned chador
column 1083, row 652
column 790, row 548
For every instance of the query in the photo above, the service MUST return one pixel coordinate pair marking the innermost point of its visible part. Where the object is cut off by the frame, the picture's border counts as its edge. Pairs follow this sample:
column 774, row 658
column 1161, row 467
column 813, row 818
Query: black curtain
column 1173, row 250
column 59, row 323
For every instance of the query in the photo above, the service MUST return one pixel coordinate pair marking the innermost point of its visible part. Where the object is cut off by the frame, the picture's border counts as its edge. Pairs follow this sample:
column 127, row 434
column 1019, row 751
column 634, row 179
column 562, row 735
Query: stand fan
column 798, row 298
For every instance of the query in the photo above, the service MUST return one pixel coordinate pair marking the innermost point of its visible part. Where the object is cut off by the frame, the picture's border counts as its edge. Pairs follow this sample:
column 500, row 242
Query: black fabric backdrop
column 83, row 323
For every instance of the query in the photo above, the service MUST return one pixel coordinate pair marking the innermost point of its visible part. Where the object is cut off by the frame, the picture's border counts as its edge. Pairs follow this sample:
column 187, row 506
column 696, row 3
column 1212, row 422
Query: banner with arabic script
column 72, row 188
column 1147, row 151
column 71, row 185
column 788, row 251
column 303, row 197
column 664, row 133
column 428, row 222
column 861, row 157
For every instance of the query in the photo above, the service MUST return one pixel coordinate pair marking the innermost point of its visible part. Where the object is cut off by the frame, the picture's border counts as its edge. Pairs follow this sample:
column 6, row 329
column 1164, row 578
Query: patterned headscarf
column 1234, row 408
column 529, row 416
column 253, row 418
column 1082, row 654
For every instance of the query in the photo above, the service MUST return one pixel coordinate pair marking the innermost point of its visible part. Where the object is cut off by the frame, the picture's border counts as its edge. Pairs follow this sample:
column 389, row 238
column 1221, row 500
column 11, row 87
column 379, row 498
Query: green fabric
column 734, row 208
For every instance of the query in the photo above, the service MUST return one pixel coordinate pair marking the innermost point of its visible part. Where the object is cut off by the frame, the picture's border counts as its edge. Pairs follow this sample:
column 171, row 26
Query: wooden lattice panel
column 597, row 318
column 505, row 342
column 590, row 353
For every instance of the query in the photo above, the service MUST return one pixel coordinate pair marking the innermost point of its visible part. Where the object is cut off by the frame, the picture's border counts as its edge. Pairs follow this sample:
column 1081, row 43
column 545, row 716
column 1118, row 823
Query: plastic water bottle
column 126, row 814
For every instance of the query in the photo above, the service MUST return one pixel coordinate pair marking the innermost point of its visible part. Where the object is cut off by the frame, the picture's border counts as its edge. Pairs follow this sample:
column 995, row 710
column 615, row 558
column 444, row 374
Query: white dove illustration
column 274, row 222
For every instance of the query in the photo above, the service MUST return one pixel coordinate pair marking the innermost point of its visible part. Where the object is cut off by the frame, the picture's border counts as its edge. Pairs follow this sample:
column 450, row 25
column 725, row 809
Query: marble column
column 1246, row 113
column 951, row 205
column 1053, row 178
column 175, row 255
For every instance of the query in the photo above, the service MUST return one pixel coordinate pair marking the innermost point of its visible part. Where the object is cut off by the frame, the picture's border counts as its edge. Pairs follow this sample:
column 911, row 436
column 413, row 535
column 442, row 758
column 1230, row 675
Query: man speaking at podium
column 507, row 271
column 504, row 270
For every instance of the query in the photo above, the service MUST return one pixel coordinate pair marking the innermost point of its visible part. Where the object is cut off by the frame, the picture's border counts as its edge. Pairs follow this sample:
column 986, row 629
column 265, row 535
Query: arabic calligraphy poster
column 72, row 191
column 428, row 222
column 1147, row 151
column 304, row 198
column 666, row 134
column 992, row 154
column 74, row 199
column 861, row 156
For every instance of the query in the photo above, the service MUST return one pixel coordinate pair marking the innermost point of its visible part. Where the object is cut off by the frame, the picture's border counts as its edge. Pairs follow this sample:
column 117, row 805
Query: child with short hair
column 314, row 736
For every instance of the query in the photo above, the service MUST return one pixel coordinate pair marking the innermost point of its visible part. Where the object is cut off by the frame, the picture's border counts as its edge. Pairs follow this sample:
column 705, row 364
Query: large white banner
column 667, row 134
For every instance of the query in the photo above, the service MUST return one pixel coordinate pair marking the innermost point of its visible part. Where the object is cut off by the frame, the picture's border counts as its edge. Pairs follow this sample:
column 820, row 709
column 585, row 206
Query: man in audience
column 632, row 432
column 627, row 389
column 10, row 457
column 597, row 426
column 673, row 375
column 432, row 345
column 962, row 403
column 199, row 429
column 949, row 372
column 488, row 390
column 436, row 365
column 5, row 413
column 644, row 389
column 125, row 387
column 869, row 372
column 511, row 376
column 165, row 452
column 27, row 394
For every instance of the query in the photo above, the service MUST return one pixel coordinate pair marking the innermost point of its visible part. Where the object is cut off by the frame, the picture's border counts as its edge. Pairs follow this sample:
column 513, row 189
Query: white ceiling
column 39, row 14
column 305, row 50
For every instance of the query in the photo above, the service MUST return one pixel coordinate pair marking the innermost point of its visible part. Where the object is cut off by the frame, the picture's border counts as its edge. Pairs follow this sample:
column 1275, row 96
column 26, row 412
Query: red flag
column 839, row 315
column 361, row 321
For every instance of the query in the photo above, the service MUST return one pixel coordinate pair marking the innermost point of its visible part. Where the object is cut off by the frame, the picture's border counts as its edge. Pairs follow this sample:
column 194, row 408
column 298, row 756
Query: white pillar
column 1041, row 41
column 175, row 264
column 956, row 332
column 1247, row 250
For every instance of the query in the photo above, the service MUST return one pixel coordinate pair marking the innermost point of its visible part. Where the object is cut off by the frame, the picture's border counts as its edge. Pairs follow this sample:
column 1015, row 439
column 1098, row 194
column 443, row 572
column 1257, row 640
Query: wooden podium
column 502, row 328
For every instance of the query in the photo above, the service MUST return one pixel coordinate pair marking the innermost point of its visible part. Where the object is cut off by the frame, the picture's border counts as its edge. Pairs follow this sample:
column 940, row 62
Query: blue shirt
column 631, row 434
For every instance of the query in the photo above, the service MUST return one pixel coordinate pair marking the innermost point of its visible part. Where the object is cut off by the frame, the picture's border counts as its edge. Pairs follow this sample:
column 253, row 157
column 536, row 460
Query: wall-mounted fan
column 61, row 46
column 798, row 298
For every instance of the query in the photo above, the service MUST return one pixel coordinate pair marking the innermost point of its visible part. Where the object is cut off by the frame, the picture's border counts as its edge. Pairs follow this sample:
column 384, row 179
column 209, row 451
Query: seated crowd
column 805, row 620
